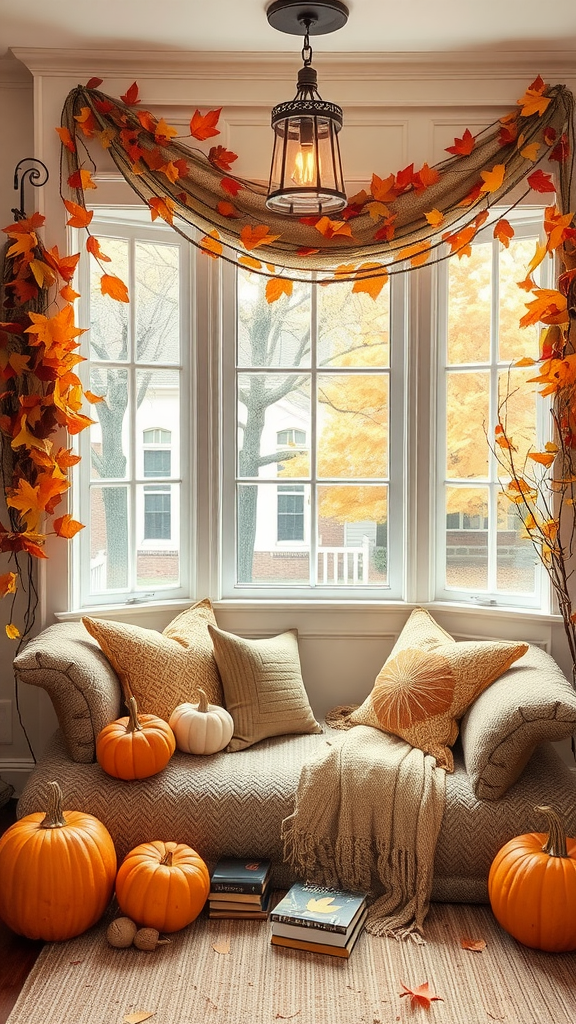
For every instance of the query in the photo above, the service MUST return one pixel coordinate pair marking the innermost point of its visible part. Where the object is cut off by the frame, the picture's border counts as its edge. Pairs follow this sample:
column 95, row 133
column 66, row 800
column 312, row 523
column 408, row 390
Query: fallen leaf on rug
column 138, row 1017
column 221, row 947
column 476, row 945
column 419, row 996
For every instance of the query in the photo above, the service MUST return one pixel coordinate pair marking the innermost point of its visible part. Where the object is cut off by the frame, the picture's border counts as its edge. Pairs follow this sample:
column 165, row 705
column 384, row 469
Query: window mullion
column 313, row 567
column 494, row 486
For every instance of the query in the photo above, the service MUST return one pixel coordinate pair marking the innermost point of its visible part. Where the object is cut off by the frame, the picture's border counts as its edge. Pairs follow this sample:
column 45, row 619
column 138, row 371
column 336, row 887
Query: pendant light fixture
column 306, row 174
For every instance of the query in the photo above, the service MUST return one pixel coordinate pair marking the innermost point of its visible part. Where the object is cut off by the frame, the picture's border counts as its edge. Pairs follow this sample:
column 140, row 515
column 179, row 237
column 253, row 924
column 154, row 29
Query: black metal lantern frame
column 306, row 176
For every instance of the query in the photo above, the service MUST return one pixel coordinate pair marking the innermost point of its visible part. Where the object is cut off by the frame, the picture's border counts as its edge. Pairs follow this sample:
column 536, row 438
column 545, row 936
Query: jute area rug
column 85, row 981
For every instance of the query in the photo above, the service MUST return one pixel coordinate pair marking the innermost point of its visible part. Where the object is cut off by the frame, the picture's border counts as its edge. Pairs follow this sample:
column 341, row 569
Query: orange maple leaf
column 503, row 231
column 493, row 179
column 549, row 307
column 221, row 157
column 384, row 189
column 86, row 122
column 65, row 458
column 68, row 293
column 250, row 262
column 251, row 237
column 278, row 286
column 372, row 285
column 418, row 253
column 130, row 97
column 463, row 146
column 330, row 228
column 81, row 179
column 80, row 216
column 203, row 126
column 421, row 995
column 66, row 139
column 147, row 120
column 93, row 246
column 114, row 287
column 226, row 209
column 533, row 101
column 164, row 132
column 163, row 208
column 210, row 245
column 425, row 177
column 8, row 583
column 435, row 218
column 65, row 266
column 67, row 527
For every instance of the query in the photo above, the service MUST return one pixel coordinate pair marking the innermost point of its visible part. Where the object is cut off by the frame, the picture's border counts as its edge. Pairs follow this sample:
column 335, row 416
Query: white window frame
column 527, row 223
column 132, row 223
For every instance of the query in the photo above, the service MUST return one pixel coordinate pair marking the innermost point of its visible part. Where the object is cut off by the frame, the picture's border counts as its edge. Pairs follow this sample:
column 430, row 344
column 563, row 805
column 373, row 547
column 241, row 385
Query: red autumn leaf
column 540, row 181
column 387, row 229
column 93, row 83
column 103, row 106
column 130, row 97
column 93, row 246
column 230, row 186
column 503, row 231
column 86, row 122
column 420, row 996
column 114, row 287
column 203, row 126
column 561, row 150
column 80, row 217
column 306, row 250
column 404, row 178
column 472, row 195
column 81, row 179
column 463, row 146
column 251, row 237
column 66, row 139
column 278, row 286
column 549, row 135
column 23, row 290
column 226, row 209
column 425, row 177
column 129, row 137
column 221, row 157
column 67, row 527
column 508, row 133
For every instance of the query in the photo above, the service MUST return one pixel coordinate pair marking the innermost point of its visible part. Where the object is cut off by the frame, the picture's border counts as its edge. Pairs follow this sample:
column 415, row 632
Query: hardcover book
column 254, row 898
column 221, row 903
column 318, row 907
column 324, row 947
column 233, row 874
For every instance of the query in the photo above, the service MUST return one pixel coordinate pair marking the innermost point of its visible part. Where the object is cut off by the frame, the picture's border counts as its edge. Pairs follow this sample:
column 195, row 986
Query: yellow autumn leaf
column 435, row 218
column 45, row 276
column 418, row 253
column 12, row 631
column 278, row 286
column 493, row 179
column 325, row 905
column 542, row 458
column 531, row 151
column 211, row 245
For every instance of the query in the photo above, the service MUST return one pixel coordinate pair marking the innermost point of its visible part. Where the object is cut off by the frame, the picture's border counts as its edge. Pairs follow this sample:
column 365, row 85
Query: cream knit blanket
column 367, row 816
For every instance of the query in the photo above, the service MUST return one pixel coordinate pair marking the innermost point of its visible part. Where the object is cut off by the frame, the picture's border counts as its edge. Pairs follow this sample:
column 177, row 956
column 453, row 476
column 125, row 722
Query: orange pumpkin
column 162, row 885
column 135, row 747
column 57, row 871
column 532, row 888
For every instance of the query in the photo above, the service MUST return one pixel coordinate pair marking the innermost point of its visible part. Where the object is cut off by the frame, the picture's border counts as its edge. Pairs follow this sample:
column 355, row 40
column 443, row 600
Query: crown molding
column 14, row 75
column 256, row 66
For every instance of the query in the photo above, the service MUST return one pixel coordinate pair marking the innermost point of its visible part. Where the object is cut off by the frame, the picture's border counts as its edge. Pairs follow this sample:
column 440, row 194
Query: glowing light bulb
column 304, row 172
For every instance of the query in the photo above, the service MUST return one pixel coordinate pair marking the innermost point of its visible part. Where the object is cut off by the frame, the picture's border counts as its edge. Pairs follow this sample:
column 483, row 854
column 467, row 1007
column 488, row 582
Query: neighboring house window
column 290, row 497
column 134, row 488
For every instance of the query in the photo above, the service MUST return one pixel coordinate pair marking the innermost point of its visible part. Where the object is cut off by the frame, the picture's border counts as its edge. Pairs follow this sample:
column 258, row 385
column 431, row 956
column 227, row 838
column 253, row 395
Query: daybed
column 233, row 802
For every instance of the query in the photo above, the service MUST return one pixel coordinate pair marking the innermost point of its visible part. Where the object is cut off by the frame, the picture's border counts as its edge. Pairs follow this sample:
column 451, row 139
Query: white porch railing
column 98, row 573
column 344, row 566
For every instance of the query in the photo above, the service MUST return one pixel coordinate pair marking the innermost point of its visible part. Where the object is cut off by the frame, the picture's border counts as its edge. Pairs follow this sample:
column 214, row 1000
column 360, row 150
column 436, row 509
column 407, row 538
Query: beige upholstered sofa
column 234, row 802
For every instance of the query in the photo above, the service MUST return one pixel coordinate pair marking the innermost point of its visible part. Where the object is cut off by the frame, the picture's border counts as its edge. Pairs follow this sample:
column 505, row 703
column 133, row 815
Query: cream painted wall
column 398, row 109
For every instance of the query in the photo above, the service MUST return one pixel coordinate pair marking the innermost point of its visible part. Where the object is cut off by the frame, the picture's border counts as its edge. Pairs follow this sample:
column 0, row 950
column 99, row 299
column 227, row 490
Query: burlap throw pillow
column 263, row 687
column 164, row 669
column 421, row 694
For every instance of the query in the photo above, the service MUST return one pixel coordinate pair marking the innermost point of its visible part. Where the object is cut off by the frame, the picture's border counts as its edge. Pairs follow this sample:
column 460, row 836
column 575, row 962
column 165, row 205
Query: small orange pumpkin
column 162, row 885
column 532, row 887
column 57, row 871
column 135, row 747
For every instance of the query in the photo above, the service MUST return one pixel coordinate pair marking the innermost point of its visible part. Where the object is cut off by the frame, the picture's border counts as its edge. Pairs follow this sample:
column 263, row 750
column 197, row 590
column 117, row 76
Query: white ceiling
column 233, row 25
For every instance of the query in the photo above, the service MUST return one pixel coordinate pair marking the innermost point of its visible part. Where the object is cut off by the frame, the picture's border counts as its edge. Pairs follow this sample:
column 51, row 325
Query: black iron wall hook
column 34, row 175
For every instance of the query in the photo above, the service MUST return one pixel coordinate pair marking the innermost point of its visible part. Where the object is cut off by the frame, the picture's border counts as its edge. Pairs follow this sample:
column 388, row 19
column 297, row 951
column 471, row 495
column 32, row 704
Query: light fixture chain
column 307, row 49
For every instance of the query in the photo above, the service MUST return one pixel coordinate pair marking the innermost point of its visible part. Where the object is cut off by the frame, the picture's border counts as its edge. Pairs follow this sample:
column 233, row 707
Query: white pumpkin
column 201, row 728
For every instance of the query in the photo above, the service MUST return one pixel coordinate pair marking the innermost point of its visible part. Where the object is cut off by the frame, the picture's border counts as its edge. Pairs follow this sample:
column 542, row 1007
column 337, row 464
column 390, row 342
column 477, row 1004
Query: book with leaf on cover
column 322, row 946
column 236, row 875
column 319, row 907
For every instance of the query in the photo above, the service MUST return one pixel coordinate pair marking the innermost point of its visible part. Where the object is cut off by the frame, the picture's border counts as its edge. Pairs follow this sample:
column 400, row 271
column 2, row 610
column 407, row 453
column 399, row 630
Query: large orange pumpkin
column 57, row 872
column 162, row 885
column 135, row 747
column 532, row 887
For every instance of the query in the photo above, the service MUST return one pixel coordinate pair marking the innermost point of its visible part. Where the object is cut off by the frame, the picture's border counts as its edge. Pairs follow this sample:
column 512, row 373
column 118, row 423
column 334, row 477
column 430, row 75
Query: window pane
column 276, row 333
column 352, row 535
column 353, row 328
column 265, row 402
column 518, row 409
column 259, row 558
column 517, row 559
column 157, row 521
column 467, row 538
column 352, row 426
column 156, row 269
column 109, row 443
column 467, row 419
column 108, row 318
column 515, row 341
column 158, row 401
column 157, row 462
column 108, row 539
column 469, row 306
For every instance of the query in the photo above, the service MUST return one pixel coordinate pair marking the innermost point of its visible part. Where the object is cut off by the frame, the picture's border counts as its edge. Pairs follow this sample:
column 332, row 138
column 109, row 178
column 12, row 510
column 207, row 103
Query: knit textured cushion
column 263, row 687
column 420, row 695
column 164, row 669
column 534, row 703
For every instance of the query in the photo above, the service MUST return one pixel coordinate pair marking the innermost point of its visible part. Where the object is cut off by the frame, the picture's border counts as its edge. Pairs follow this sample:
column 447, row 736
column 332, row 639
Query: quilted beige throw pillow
column 420, row 695
column 263, row 687
column 164, row 669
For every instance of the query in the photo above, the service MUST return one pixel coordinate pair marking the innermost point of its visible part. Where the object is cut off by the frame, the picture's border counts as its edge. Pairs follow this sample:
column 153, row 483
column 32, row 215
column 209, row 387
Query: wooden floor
column 17, row 955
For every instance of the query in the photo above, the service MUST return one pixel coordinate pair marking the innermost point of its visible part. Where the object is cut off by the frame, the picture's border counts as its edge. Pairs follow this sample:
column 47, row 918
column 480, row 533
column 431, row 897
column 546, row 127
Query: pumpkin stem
column 203, row 704
column 54, row 817
column 133, row 724
column 167, row 859
column 555, row 844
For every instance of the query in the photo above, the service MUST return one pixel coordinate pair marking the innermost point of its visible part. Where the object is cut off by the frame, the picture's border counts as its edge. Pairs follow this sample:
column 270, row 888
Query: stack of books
column 319, row 919
column 240, row 888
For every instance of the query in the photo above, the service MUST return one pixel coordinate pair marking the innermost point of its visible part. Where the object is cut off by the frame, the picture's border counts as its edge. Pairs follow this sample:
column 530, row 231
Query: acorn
column 120, row 932
column 148, row 938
